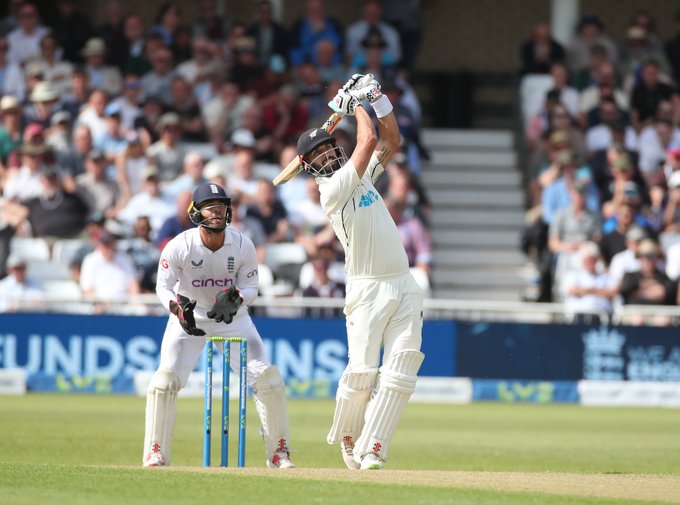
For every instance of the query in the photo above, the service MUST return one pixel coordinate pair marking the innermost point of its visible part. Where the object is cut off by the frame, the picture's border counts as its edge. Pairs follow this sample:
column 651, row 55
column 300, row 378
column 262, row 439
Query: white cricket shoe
column 372, row 461
column 347, row 451
column 281, row 459
column 154, row 459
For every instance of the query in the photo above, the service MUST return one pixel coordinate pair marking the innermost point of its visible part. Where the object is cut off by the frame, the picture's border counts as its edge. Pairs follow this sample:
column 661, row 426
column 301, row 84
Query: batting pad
column 396, row 384
column 354, row 391
column 161, row 409
column 269, row 394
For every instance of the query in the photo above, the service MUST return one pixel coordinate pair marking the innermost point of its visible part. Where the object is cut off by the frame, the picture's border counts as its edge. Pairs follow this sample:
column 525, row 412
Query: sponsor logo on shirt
column 209, row 282
column 368, row 199
column 197, row 264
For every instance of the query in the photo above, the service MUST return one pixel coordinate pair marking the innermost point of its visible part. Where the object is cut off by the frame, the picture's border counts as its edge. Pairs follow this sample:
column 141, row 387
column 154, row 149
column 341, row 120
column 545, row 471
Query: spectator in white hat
column 18, row 288
column 104, row 77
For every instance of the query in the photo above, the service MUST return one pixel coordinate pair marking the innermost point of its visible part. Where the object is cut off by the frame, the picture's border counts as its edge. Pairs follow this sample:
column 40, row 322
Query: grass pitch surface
column 87, row 450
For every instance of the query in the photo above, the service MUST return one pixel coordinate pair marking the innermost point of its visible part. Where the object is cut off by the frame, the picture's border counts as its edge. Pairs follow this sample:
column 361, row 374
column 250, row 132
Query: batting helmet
column 324, row 164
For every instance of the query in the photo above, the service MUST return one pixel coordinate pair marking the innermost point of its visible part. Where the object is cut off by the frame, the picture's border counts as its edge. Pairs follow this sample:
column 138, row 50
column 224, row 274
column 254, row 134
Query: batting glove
column 351, row 83
column 344, row 104
column 366, row 88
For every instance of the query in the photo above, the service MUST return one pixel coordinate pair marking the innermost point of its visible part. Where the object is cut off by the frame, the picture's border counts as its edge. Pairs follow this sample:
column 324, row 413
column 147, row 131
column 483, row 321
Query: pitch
column 87, row 449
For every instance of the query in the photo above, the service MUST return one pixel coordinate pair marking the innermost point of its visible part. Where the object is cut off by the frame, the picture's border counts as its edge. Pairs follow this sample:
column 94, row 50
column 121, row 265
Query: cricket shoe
column 154, row 459
column 347, row 450
column 281, row 459
column 372, row 461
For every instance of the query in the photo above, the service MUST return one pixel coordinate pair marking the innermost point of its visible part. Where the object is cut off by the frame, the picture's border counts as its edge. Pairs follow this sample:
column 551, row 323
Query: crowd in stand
column 105, row 129
column 602, row 128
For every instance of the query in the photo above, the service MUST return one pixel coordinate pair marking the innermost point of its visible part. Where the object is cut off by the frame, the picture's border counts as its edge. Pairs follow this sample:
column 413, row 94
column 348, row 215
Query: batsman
column 383, row 305
column 207, row 277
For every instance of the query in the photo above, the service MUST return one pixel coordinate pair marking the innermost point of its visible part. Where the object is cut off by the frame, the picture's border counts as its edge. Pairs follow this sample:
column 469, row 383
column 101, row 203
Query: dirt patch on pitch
column 618, row 486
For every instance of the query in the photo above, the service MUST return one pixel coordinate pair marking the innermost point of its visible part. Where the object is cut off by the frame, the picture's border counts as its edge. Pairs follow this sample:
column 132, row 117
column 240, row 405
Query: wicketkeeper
column 207, row 276
column 383, row 304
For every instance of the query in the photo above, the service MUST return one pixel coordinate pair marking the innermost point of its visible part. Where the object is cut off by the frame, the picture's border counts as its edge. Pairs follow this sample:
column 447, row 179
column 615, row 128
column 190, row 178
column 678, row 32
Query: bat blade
column 295, row 166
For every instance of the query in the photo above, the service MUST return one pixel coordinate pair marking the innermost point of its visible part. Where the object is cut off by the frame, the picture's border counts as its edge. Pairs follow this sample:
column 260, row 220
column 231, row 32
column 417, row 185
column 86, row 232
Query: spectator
column 114, row 142
column 10, row 130
column 222, row 114
column 75, row 98
column 250, row 226
column 25, row 182
column 310, row 224
column 93, row 116
column 374, row 58
column 71, row 29
column 540, row 51
column 242, row 181
column 672, row 49
column 636, row 50
column 673, row 262
column 323, row 277
column 311, row 28
column 134, row 60
column 108, row 273
column 670, row 233
column 147, row 124
column 614, row 242
column 128, row 102
column 104, row 77
column 167, row 154
column 246, row 68
column 191, row 176
column 140, row 247
column 202, row 61
column 329, row 69
column 649, row 285
column 186, row 107
column 210, row 24
column 100, row 193
column 19, row 291
column 150, row 202
column 11, row 77
column 371, row 19
column 604, row 84
column 72, row 158
column 589, row 33
column 626, row 192
column 294, row 190
column 44, row 103
column 54, row 69
column 654, row 142
column 284, row 116
column 168, row 19
column 10, row 21
column 271, row 37
column 24, row 40
column 627, row 260
column 648, row 93
column 157, row 82
column 270, row 212
column 600, row 136
column 588, row 292
column 56, row 213
column 174, row 225
column 110, row 32
column 58, row 136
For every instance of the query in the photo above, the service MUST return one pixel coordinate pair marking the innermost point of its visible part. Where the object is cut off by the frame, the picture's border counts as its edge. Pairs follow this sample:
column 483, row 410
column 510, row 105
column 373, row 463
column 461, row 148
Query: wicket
column 243, row 390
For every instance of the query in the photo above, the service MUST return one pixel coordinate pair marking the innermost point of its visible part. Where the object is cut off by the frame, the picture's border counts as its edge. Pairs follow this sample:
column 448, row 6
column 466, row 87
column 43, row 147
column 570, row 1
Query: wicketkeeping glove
column 343, row 103
column 227, row 303
column 183, row 308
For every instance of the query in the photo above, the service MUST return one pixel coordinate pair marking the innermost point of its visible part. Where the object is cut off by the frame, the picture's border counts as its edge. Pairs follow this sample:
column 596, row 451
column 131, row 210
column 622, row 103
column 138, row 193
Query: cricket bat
column 295, row 166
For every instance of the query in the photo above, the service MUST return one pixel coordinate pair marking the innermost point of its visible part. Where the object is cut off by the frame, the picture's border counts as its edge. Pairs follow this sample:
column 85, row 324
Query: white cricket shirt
column 189, row 268
column 362, row 223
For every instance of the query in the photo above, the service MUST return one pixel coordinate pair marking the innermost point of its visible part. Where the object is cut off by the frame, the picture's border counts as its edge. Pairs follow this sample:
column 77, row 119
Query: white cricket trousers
column 382, row 312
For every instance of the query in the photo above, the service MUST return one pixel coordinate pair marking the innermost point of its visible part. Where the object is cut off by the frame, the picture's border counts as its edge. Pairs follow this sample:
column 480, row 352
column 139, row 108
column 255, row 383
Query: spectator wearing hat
column 157, row 82
column 25, row 182
column 104, row 77
column 99, row 192
column 650, row 285
column 373, row 58
column 371, row 20
column 589, row 33
column 588, row 291
column 19, row 291
column 11, row 77
column 312, row 27
column 55, row 70
column 57, row 212
column 191, row 176
column 93, row 115
column 242, row 179
column 615, row 163
column 627, row 192
column 128, row 102
column 540, row 51
column 10, row 129
column 129, row 167
column 44, row 103
column 187, row 108
column 246, row 69
column 24, row 40
column 108, row 273
column 71, row 28
column 150, row 202
column 167, row 153
column 271, row 37
column 636, row 49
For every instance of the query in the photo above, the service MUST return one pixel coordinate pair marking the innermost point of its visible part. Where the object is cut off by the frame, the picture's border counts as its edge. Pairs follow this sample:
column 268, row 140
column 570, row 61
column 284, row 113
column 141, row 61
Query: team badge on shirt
column 230, row 264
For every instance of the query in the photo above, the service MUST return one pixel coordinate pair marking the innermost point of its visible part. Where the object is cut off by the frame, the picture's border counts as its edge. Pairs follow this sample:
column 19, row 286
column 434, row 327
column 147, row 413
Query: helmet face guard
column 325, row 163
column 213, row 224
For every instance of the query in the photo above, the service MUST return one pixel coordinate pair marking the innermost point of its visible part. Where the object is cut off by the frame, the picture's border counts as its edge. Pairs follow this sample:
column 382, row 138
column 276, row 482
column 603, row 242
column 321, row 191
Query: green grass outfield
column 87, row 450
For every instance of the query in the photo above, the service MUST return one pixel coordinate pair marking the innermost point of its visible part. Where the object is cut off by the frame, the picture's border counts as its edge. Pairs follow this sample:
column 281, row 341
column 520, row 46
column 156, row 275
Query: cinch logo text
column 207, row 283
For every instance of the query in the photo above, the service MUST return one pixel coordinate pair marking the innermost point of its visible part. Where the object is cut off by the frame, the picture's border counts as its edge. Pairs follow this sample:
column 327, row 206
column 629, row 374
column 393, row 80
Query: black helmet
column 205, row 192
column 311, row 139
column 324, row 164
